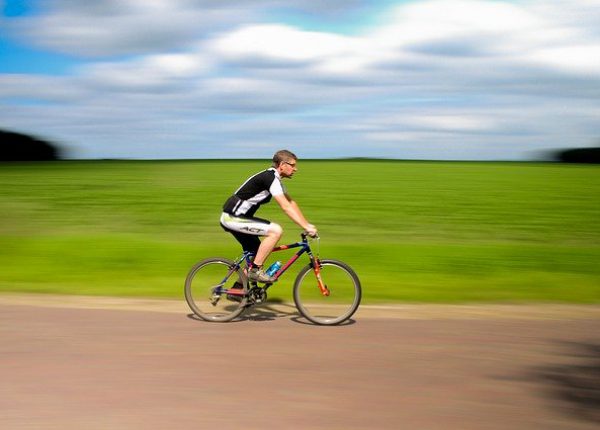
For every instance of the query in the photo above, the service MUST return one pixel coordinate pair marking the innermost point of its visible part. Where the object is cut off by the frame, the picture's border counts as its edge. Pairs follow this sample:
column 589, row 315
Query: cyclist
column 239, row 209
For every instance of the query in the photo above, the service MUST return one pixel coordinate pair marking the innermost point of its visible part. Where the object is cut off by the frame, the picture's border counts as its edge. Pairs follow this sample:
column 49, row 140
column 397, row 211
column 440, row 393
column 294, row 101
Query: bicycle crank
column 256, row 295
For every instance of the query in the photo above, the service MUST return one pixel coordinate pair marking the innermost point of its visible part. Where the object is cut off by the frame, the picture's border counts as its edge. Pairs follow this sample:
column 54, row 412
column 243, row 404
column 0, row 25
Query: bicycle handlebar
column 304, row 235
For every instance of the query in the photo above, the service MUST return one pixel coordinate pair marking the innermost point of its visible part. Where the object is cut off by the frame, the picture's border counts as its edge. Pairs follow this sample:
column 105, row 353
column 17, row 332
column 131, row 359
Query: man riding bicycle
column 238, row 212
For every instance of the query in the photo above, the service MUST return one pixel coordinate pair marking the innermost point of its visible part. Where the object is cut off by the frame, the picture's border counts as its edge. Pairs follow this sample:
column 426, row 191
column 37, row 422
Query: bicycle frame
column 304, row 248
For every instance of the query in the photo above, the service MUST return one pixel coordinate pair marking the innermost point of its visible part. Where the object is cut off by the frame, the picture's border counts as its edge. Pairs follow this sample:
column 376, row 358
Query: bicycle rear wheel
column 344, row 293
column 209, row 292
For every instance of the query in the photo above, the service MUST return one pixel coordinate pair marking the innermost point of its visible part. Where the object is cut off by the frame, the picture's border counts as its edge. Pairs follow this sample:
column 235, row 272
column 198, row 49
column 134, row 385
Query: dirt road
column 75, row 367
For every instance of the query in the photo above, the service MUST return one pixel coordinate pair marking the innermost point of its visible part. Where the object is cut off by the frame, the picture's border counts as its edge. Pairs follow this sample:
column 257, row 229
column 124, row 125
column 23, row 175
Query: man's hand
column 311, row 230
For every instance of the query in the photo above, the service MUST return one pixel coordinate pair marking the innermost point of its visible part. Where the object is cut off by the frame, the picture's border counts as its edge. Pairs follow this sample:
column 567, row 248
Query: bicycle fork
column 317, row 271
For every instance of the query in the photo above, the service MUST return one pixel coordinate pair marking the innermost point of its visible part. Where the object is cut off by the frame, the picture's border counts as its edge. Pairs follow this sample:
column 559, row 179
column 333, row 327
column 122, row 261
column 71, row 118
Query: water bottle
column 273, row 268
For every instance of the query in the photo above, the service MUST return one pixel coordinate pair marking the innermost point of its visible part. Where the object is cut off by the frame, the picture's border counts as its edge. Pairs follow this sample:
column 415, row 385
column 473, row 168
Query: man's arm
column 292, row 210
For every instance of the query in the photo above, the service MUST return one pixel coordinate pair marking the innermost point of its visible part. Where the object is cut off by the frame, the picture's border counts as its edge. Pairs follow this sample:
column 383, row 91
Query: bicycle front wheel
column 344, row 293
column 216, row 290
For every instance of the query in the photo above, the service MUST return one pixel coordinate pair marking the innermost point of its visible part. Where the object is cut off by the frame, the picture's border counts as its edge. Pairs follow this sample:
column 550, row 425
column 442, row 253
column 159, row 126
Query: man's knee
column 275, row 230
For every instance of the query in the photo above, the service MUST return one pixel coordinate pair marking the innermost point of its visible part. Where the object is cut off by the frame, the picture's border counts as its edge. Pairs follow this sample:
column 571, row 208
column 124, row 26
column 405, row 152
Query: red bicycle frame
column 304, row 248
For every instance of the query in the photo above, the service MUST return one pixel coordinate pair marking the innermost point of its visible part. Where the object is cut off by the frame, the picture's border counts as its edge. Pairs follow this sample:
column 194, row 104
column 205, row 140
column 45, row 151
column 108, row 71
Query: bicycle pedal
column 214, row 299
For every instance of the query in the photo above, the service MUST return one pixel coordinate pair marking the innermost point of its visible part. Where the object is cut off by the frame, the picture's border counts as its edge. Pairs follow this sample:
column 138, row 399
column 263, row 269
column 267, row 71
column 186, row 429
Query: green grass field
column 413, row 231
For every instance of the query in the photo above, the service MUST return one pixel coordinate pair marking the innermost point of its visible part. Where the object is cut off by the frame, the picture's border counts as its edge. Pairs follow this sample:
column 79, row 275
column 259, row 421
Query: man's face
column 288, row 168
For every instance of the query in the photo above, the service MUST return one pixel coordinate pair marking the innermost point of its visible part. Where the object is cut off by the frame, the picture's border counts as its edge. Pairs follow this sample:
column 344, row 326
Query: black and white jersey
column 257, row 190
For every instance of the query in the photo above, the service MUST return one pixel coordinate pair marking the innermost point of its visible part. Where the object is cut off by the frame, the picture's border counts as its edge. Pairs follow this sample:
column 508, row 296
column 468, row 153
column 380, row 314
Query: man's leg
column 246, row 231
column 257, row 273
column 267, row 244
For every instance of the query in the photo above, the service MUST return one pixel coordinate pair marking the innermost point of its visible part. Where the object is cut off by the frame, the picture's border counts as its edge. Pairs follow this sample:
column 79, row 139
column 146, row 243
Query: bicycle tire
column 343, row 301
column 202, row 288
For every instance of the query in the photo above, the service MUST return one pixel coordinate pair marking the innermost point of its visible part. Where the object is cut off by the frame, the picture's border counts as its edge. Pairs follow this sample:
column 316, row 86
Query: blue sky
column 433, row 79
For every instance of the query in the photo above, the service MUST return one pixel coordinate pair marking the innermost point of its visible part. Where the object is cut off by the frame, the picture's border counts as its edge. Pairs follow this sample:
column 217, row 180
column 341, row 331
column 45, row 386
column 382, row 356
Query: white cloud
column 109, row 28
column 40, row 88
column 439, row 20
column 279, row 43
column 421, row 40
column 452, row 122
column 122, row 27
column 474, row 77
column 576, row 59
column 147, row 73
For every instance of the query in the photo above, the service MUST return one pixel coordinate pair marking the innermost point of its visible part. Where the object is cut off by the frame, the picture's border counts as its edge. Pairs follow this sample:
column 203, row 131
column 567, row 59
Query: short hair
column 283, row 155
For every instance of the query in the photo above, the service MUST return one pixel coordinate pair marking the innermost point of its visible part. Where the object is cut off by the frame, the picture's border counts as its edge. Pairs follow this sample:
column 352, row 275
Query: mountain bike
column 326, row 292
